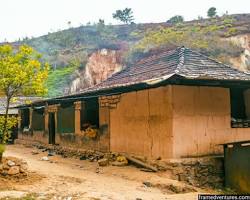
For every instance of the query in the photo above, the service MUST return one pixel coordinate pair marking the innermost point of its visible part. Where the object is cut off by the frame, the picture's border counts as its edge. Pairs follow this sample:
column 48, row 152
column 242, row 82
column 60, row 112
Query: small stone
column 11, row 163
column 103, row 162
column 14, row 170
column 6, row 166
column 23, row 168
column 34, row 152
column 147, row 183
column 45, row 158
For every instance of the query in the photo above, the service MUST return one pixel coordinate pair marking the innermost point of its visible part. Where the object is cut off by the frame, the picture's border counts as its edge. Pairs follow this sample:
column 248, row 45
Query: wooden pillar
column 30, row 124
column 19, row 121
column 52, row 108
column 78, row 107
column 104, row 124
column 46, row 120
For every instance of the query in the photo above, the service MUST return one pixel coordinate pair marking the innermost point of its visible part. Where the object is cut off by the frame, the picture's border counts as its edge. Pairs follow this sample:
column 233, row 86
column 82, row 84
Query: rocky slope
column 101, row 65
column 243, row 61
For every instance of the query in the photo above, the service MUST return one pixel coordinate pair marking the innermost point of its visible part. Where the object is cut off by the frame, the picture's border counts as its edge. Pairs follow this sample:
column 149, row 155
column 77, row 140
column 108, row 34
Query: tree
column 21, row 73
column 211, row 12
column 176, row 19
column 100, row 25
column 125, row 15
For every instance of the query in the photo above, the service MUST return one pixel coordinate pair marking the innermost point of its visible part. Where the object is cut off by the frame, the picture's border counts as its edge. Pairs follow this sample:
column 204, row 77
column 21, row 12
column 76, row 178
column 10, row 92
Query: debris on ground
column 51, row 153
column 103, row 162
column 120, row 161
column 206, row 174
column 173, row 189
column 11, row 166
column 140, row 163
column 34, row 152
column 147, row 183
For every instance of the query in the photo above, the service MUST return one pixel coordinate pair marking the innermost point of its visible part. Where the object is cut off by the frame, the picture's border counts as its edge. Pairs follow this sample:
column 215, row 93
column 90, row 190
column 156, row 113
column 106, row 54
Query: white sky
column 21, row 18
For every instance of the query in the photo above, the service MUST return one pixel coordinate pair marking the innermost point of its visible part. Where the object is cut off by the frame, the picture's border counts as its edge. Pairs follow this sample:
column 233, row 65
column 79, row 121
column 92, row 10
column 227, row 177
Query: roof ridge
column 181, row 60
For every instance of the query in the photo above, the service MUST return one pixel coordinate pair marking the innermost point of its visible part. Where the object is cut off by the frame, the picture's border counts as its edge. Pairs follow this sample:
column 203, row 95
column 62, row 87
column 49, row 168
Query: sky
column 33, row 18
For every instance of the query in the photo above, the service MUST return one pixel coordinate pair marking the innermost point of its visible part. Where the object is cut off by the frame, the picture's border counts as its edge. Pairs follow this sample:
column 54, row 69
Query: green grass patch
column 58, row 79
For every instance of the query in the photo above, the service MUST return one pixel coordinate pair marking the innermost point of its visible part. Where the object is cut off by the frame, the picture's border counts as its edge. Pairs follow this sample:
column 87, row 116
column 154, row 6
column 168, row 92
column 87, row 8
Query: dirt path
column 64, row 178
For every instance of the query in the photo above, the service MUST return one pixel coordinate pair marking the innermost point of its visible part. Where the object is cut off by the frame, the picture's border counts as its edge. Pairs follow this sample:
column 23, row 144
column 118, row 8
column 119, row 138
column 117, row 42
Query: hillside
column 86, row 55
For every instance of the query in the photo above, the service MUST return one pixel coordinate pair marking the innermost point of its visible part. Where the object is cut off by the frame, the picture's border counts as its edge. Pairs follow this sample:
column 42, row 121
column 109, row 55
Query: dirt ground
column 69, row 179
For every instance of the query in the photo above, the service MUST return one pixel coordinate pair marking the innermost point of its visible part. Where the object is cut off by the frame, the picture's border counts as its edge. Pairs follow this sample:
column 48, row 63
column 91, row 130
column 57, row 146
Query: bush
column 58, row 79
column 2, row 148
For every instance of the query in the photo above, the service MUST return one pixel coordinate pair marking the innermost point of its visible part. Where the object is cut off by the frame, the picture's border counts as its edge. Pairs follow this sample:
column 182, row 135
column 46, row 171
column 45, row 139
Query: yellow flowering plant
column 21, row 73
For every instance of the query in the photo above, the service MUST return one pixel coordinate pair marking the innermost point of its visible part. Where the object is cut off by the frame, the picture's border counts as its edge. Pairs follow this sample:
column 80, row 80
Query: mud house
column 177, row 103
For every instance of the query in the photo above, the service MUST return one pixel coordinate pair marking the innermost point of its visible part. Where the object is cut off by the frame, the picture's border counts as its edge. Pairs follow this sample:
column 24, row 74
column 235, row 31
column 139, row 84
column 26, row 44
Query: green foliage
column 58, row 79
column 2, row 148
column 21, row 73
column 11, row 122
column 231, row 31
column 203, row 39
column 211, row 12
column 176, row 19
column 125, row 16
column 228, row 20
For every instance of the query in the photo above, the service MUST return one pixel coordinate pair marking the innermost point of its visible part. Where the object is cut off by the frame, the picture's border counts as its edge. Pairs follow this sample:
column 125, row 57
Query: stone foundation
column 207, row 172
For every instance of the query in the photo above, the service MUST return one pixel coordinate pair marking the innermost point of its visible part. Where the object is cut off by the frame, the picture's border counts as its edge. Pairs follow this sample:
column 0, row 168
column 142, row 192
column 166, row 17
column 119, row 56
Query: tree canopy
column 176, row 19
column 211, row 12
column 21, row 73
column 125, row 16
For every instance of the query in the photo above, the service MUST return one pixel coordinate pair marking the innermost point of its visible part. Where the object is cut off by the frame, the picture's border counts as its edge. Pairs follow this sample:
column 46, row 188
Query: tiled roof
column 181, row 61
column 16, row 102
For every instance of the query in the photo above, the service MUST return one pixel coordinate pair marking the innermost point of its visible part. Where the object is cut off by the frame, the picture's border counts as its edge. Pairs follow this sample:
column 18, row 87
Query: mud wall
column 202, row 121
column 36, row 136
column 142, row 123
column 76, row 139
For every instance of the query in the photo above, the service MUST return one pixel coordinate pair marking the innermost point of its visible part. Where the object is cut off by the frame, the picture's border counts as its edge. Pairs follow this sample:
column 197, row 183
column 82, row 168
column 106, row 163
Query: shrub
column 2, row 148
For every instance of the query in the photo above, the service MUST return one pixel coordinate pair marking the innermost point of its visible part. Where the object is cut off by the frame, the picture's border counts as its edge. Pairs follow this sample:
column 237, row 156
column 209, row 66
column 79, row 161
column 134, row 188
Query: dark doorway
column 90, row 113
column 52, row 131
column 25, row 118
column 14, row 135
